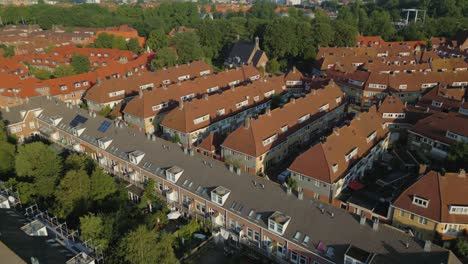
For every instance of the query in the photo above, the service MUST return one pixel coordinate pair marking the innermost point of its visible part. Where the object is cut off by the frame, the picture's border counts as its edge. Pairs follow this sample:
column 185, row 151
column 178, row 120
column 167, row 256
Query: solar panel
column 104, row 126
column 77, row 120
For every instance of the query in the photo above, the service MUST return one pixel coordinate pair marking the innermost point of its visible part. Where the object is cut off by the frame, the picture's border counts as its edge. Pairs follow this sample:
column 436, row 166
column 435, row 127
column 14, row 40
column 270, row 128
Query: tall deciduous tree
column 144, row 246
column 40, row 165
column 133, row 45
column 149, row 195
column 188, row 47
column 96, row 229
column 102, row 185
column 164, row 58
column 73, row 193
column 79, row 162
column 157, row 39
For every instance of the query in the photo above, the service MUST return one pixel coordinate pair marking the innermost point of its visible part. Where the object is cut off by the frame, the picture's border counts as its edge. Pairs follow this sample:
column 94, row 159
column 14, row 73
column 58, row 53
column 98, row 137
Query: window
column 85, row 83
column 159, row 106
column 303, row 118
column 402, row 213
column 420, row 201
column 371, row 136
column 284, row 129
column 422, row 220
column 294, row 257
column 271, row 225
column 201, row 119
column 269, row 93
column 249, row 232
column 411, row 216
column 324, row 107
column 187, row 97
column 256, row 236
column 377, row 86
column 212, row 89
column 335, row 168
column 317, row 183
column 114, row 94
column 316, row 196
column 436, row 104
column 403, row 86
column 32, row 125
column 297, row 236
column 63, row 87
column 351, row 154
column 256, row 98
column 270, row 140
column 306, row 240
column 220, row 112
column 463, row 210
column 77, row 85
column 241, row 104
column 338, row 100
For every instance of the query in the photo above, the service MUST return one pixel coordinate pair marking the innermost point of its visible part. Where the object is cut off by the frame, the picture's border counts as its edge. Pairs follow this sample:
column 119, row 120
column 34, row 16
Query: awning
column 173, row 215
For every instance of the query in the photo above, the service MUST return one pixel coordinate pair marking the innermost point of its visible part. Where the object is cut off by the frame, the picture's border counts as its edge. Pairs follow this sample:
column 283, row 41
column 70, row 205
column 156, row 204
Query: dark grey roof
column 28, row 246
column 258, row 54
column 338, row 231
column 242, row 50
column 13, row 115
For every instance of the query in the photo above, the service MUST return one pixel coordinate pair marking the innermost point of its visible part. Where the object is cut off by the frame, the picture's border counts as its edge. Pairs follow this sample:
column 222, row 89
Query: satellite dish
column 11, row 199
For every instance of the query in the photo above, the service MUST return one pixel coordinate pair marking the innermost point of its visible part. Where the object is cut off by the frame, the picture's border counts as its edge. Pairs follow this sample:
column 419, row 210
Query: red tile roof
column 436, row 126
column 441, row 191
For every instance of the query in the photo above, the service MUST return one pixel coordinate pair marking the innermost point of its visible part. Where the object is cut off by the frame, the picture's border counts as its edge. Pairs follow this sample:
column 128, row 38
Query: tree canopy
column 80, row 63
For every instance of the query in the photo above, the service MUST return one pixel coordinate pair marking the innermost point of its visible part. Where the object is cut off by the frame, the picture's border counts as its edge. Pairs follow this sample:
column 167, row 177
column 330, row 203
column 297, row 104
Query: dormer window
column 371, row 136
column 338, row 100
column 55, row 120
column 241, row 104
column 278, row 222
column 184, row 77
column 104, row 142
column 212, row 89
column 173, row 173
column 458, row 210
column 351, row 154
column 77, row 131
column 303, row 118
column 220, row 112
column 63, row 87
column 269, row 93
column 136, row 156
column 335, row 168
column 166, row 82
column 203, row 73
column 436, row 104
column 219, row 195
column 201, row 119
column 270, row 140
column 159, row 106
column 420, row 201
column 403, row 86
column 324, row 108
column 284, row 128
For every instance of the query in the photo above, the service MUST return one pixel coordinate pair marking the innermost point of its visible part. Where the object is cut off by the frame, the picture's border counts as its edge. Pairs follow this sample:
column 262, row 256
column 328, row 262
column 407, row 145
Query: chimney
column 375, row 224
column 288, row 191
column 427, row 246
column 362, row 220
column 205, row 96
column 268, row 112
column 462, row 173
column 300, row 195
column 181, row 105
column 247, row 122
column 140, row 93
column 293, row 100
column 257, row 42
column 358, row 116
column 314, row 92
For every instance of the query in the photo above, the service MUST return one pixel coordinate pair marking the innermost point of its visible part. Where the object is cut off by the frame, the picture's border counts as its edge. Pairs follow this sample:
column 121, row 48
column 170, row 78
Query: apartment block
column 113, row 91
column 435, row 134
column 221, row 112
column 147, row 110
column 272, row 136
column 261, row 216
column 344, row 156
column 435, row 207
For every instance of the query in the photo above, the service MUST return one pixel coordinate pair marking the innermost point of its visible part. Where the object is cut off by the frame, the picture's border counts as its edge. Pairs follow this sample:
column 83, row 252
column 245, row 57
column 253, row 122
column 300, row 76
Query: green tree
column 345, row 35
column 263, row 9
column 458, row 154
column 41, row 74
column 273, row 66
column 188, row 230
column 40, row 165
column 7, row 153
column 102, row 185
column 72, row 194
column 188, row 47
column 133, row 45
column 96, row 229
column 380, row 24
column 8, row 51
column 80, row 63
column 157, row 39
column 119, row 42
column 143, row 246
column 462, row 247
column 292, row 183
column 164, row 58
column 63, row 71
column 149, row 195
column 104, row 40
column 79, row 162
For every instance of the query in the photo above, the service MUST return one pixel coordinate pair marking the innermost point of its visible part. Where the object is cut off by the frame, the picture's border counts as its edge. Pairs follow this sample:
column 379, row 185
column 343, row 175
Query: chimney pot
column 293, row 100
column 462, row 173
column 268, row 112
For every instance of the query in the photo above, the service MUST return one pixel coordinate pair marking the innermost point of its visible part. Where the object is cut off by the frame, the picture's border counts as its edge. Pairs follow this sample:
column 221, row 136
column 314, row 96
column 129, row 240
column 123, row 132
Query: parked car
column 283, row 176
